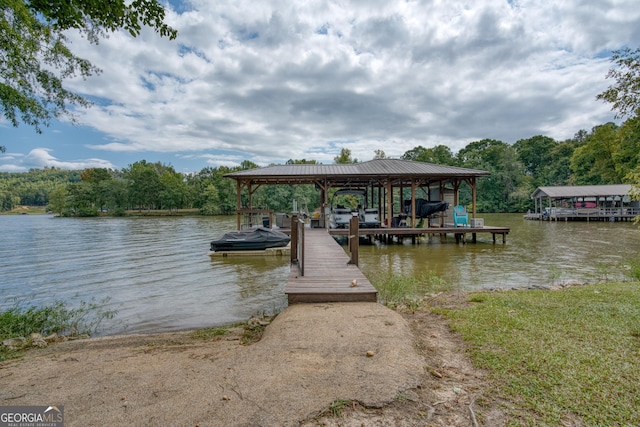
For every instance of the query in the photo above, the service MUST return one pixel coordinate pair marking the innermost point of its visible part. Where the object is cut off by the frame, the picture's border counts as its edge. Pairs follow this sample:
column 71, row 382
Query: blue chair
column 460, row 216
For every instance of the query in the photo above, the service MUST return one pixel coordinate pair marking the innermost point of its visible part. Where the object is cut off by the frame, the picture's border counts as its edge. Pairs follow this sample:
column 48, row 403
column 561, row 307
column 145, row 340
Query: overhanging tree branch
column 625, row 93
column 35, row 59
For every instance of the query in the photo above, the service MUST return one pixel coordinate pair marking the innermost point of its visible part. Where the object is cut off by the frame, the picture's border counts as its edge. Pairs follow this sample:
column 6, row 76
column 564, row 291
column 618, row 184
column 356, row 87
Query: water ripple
column 158, row 275
column 155, row 271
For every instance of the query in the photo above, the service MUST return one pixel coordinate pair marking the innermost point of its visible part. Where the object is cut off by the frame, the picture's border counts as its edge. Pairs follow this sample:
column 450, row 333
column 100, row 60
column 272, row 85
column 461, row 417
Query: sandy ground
column 349, row 364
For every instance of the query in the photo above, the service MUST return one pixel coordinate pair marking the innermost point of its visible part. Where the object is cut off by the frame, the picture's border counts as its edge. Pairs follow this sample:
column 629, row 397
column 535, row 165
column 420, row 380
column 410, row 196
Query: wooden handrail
column 354, row 239
column 300, row 246
column 294, row 239
column 297, row 243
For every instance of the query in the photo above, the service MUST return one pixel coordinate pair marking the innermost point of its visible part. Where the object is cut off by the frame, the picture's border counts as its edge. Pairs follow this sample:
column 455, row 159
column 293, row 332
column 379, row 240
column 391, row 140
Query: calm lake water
column 159, row 277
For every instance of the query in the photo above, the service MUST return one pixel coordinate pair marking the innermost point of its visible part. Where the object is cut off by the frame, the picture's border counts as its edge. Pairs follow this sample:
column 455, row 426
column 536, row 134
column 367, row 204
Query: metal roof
column 378, row 168
column 567, row 192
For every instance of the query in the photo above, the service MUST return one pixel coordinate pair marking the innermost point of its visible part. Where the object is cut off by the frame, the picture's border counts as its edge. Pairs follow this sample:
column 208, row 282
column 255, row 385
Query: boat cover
column 424, row 208
column 250, row 239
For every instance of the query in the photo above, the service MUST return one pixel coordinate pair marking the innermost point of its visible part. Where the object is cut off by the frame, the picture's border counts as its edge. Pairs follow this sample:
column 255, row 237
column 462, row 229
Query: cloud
column 39, row 158
column 269, row 81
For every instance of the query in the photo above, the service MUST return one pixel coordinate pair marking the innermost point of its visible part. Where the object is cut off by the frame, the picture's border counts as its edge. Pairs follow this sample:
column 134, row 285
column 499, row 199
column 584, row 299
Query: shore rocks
column 35, row 340
column 15, row 343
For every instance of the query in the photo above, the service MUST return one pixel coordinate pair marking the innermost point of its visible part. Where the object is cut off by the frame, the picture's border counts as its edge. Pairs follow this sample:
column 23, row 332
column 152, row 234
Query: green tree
column 344, row 157
column 379, row 154
column 593, row 162
column 144, row 184
column 248, row 164
column 535, row 154
column 627, row 155
column 440, row 155
column 58, row 199
column 174, row 191
column 558, row 171
column 117, row 193
column 36, row 58
column 79, row 200
column 625, row 93
column 505, row 190
column 8, row 200
column 211, row 201
column 98, row 180
column 301, row 162
column 225, row 197
column 625, row 97
column 33, row 187
column 414, row 153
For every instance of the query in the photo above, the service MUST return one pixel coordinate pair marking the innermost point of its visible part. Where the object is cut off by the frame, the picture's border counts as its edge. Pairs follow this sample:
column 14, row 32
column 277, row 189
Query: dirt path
column 349, row 364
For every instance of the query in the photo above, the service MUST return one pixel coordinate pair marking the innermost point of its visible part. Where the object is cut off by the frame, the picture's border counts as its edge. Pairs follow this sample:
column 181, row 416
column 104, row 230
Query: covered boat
column 424, row 208
column 253, row 239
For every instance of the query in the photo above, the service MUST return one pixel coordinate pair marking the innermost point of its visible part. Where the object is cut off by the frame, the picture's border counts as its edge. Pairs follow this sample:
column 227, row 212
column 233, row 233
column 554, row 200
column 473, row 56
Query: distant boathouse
column 584, row 203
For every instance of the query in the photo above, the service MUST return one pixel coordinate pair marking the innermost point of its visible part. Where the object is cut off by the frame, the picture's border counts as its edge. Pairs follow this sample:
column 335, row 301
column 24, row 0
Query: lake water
column 537, row 253
column 159, row 277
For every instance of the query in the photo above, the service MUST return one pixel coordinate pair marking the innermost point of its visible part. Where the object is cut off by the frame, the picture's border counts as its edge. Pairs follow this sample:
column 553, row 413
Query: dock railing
column 297, row 242
column 606, row 213
column 249, row 218
column 354, row 239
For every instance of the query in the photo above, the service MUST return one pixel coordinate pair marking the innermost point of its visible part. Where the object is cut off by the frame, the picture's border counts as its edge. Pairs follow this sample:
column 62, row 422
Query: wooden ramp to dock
column 327, row 275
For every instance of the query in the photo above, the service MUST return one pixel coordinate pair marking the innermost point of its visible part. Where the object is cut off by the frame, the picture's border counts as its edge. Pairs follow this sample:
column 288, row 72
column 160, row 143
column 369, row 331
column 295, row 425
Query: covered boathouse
column 321, row 271
column 584, row 203
column 388, row 183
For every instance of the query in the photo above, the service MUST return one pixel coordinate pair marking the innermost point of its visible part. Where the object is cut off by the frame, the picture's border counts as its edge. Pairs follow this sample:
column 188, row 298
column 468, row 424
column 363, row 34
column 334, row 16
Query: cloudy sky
column 268, row 81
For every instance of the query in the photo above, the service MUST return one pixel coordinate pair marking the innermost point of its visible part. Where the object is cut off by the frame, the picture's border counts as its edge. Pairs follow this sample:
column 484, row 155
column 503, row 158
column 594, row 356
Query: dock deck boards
column 407, row 231
column 327, row 274
column 458, row 232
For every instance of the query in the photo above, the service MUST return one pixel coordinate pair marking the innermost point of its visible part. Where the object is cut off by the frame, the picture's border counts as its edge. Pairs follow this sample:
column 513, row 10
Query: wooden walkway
column 327, row 275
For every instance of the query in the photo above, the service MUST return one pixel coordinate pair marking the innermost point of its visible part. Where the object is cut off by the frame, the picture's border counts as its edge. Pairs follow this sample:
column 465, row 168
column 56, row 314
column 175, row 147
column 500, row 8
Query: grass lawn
column 560, row 357
column 24, row 210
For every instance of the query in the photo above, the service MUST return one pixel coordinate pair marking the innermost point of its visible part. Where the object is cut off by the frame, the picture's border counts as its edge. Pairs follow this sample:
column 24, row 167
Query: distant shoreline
column 42, row 210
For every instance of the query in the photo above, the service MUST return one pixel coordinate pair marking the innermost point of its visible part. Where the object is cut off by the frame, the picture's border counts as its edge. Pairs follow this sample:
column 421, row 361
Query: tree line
column 608, row 154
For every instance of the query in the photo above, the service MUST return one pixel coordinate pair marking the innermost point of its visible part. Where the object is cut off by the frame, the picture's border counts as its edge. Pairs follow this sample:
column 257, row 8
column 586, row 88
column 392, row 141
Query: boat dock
column 323, row 273
column 321, row 270
column 586, row 214
column 399, row 233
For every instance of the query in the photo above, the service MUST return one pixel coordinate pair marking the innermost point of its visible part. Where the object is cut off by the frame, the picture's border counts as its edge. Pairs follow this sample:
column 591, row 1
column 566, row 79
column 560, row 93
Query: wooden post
column 442, row 217
column 413, row 205
column 389, row 204
column 238, row 204
column 354, row 240
column 456, row 188
column 294, row 238
column 473, row 197
column 300, row 248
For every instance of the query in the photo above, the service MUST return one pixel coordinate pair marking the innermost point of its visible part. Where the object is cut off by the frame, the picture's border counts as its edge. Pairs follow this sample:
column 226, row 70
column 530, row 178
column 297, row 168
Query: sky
column 270, row 81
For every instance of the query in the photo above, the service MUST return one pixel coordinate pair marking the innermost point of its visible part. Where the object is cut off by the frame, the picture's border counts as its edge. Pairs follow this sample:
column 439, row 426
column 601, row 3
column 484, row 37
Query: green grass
column 337, row 406
column 404, row 292
column 634, row 268
column 32, row 210
column 207, row 334
column 21, row 321
column 559, row 355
